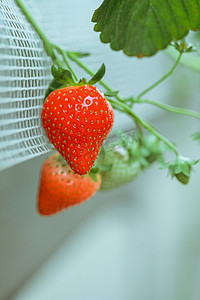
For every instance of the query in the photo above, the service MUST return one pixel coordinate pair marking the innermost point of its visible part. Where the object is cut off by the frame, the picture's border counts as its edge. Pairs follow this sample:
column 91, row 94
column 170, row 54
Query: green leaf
column 182, row 178
column 98, row 75
column 196, row 136
column 93, row 176
column 62, row 75
column 142, row 27
column 54, row 85
column 111, row 93
column 62, row 78
column 79, row 54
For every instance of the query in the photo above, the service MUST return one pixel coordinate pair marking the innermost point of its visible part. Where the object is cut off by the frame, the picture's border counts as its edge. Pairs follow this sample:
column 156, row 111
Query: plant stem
column 65, row 58
column 161, row 79
column 48, row 45
column 146, row 125
column 190, row 60
column 170, row 108
column 74, row 57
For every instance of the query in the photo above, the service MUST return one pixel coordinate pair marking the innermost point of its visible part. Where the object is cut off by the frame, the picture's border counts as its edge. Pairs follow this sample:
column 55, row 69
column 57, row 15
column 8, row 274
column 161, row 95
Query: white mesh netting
column 25, row 68
column 24, row 76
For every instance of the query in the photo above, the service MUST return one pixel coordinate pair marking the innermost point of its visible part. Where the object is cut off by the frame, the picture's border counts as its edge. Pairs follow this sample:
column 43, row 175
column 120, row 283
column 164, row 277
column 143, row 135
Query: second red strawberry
column 77, row 120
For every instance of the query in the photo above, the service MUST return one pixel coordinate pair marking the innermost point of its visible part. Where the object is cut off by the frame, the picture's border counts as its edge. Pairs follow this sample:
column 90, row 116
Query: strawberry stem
column 44, row 38
column 145, row 124
column 48, row 45
column 161, row 79
column 170, row 108
column 189, row 60
column 65, row 58
column 74, row 57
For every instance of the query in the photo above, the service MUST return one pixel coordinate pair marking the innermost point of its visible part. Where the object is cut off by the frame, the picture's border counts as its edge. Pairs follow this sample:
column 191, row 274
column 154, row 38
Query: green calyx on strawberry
column 77, row 119
column 63, row 78
column 122, row 160
column 61, row 188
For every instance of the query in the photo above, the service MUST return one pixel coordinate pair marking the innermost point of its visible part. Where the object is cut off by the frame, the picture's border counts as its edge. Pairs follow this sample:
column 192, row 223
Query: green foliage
column 78, row 54
column 120, row 169
column 141, row 28
column 122, row 160
column 181, row 168
column 196, row 136
column 98, row 75
column 152, row 149
column 61, row 77
column 183, row 47
column 54, row 85
column 111, row 93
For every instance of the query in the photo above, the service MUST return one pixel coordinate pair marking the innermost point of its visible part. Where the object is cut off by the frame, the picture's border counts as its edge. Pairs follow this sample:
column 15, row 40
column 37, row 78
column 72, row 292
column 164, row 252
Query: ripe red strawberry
column 60, row 187
column 77, row 120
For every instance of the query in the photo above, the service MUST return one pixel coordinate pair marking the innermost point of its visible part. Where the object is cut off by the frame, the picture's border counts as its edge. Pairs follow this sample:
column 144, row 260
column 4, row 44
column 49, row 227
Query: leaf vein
column 145, row 25
column 172, row 14
column 117, row 27
column 162, row 35
column 137, row 5
column 186, row 10
column 198, row 3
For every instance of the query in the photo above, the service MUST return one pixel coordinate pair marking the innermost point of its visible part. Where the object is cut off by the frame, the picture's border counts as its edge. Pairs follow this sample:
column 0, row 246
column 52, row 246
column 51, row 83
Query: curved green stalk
column 65, row 56
column 145, row 124
column 73, row 57
column 170, row 108
column 189, row 60
column 161, row 79
column 48, row 45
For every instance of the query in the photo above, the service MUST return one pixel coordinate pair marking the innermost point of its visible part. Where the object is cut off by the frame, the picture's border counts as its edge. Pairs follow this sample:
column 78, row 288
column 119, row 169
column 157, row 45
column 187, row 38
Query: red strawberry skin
column 61, row 188
column 77, row 120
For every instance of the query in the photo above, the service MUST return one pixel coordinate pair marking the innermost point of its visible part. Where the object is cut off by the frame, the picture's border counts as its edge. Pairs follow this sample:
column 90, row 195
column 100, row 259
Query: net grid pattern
column 24, row 77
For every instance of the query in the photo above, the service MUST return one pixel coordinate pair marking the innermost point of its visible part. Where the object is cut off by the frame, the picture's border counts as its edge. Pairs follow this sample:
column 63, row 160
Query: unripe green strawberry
column 121, row 169
column 122, row 160
column 77, row 120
